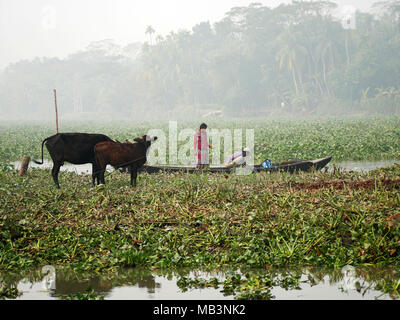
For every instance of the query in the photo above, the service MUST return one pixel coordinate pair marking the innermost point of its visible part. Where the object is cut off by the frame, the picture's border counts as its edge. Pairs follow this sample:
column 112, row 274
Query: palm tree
column 150, row 31
column 324, row 51
column 286, row 56
column 291, row 54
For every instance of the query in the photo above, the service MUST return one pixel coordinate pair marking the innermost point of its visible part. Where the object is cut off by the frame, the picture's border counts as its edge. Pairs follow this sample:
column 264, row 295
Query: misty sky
column 59, row 27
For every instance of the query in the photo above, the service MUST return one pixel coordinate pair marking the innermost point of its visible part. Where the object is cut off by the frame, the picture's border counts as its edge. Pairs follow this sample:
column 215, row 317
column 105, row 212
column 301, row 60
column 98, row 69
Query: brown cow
column 117, row 154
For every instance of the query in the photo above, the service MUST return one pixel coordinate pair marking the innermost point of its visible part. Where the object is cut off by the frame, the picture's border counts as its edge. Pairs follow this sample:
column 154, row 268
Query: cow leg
column 95, row 174
column 102, row 170
column 98, row 176
column 133, row 175
column 55, row 171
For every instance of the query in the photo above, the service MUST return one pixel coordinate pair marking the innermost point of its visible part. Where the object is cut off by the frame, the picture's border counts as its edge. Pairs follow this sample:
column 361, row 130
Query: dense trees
column 254, row 61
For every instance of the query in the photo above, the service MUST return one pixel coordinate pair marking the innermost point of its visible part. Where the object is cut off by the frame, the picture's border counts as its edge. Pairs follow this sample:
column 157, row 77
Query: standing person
column 201, row 146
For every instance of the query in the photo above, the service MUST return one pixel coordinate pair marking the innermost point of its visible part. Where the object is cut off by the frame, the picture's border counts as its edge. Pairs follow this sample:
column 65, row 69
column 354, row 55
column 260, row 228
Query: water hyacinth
column 328, row 219
column 325, row 219
column 352, row 138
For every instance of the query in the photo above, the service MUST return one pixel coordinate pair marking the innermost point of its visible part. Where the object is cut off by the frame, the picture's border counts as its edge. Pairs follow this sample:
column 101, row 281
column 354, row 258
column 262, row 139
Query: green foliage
column 6, row 166
column 352, row 138
column 178, row 220
column 182, row 220
column 89, row 294
column 8, row 292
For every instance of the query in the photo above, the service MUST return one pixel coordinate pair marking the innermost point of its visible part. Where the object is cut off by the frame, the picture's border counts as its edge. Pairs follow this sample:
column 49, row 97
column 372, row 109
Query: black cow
column 76, row 148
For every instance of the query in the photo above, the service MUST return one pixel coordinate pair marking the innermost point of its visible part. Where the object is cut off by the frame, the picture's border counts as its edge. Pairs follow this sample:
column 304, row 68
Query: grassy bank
column 200, row 220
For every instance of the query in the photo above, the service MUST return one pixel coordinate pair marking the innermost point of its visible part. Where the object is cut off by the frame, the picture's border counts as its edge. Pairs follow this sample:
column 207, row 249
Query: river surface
column 360, row 166
column 364, row 166
column 68, row 167
column 347, row 283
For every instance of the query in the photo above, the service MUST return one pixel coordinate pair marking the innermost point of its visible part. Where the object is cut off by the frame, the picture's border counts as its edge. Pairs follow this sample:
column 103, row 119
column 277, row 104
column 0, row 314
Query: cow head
column 146, row 140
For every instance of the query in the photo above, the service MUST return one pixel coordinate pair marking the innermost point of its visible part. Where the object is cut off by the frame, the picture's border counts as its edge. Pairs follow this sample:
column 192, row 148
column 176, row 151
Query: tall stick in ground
column 55, row 106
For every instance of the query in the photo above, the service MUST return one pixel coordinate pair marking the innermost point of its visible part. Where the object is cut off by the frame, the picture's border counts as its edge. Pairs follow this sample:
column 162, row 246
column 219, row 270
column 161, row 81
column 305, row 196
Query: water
column 363, row 166
column 360, row 166
column 137, row 284
column 67, row 167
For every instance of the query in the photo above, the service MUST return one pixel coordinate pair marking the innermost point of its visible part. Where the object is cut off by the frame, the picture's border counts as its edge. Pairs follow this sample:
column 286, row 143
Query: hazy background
column 57, row 28
column 99, row 57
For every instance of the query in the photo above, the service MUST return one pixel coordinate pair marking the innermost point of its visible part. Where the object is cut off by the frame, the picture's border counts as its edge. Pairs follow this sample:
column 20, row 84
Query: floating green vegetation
column 8, row 292
column 89, row 294
column 245, row 288
column 352, row 138
column 263, row 220
column 191, row 220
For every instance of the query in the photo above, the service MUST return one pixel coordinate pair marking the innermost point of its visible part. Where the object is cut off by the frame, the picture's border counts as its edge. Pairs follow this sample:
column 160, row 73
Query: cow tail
column 37, row 162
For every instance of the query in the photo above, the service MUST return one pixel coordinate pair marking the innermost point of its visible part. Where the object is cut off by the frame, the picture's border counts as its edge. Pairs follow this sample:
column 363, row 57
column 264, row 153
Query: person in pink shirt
column 201, row 146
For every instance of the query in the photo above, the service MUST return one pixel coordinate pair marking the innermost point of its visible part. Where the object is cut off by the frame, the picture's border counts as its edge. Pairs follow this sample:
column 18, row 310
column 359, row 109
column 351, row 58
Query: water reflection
column 303, row 283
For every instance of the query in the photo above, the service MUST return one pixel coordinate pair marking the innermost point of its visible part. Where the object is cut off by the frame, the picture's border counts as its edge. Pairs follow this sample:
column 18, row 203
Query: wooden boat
column 287, row 166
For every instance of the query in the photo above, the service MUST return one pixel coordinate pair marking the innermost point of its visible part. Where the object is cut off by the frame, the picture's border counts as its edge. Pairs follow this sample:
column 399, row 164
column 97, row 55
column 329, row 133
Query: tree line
column 296, row 58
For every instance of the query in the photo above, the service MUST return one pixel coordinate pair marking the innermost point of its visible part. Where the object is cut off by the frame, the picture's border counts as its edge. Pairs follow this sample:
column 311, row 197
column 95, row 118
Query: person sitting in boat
column 238, row 158
column 201, row 146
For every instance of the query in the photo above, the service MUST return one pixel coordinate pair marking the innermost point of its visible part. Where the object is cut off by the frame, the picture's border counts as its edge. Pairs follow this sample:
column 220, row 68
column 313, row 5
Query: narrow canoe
column 287, row 166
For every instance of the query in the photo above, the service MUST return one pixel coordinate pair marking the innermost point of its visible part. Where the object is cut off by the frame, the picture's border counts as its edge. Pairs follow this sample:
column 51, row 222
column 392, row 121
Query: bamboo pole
column 24, row 165
column 55, row 106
